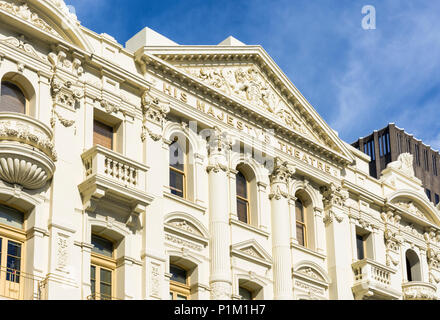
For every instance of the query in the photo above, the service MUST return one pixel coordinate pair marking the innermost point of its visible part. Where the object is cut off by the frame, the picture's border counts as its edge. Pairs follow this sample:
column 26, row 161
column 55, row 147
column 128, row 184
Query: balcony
column 372, row 280
column 417, row 290
column 113, row 178
column 27, row 153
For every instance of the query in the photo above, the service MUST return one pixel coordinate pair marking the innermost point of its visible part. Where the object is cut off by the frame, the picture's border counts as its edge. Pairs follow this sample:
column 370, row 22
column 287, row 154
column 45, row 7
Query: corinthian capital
column 333, row 195
column 282, row 172
column 153, row 108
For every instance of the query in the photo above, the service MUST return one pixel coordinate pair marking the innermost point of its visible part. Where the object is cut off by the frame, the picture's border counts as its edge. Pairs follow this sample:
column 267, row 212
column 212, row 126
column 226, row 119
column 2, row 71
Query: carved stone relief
column 249, row 85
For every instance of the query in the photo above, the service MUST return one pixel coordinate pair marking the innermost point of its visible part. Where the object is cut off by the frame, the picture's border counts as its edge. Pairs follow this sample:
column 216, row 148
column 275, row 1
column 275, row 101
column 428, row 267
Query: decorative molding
column 249, row 85
column 59, row 61
column 333, row 195
column 108, row 106
column 22, row 45
column 330, row 216
column 419, row 291
column 154, row 110
column 220, row 291
column 18, row 128
column 23, row 12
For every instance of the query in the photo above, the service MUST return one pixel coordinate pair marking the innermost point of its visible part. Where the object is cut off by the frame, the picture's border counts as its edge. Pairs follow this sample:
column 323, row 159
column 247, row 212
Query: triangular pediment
column 248, row 75
column 252, row 250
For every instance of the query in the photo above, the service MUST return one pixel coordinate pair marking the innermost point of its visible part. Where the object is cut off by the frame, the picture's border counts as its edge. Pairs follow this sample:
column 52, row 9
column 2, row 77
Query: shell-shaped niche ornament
column 24, row 172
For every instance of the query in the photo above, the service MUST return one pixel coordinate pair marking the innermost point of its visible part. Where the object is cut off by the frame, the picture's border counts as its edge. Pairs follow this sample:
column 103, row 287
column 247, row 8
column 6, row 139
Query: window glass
column 102, row 246
column 11, row 217
column 105, row 284
column 176, row 183
column 178, row 274
column 300, row 223
column 360, row 247
column 242, row 208
column 93, row 280
column 300, row 234
column 245, row 294
column 177, row 169
column 241, row 185
column 102, row 135
column 177, row 156
column 12, row 98
column 13, row 262
column 242, row 197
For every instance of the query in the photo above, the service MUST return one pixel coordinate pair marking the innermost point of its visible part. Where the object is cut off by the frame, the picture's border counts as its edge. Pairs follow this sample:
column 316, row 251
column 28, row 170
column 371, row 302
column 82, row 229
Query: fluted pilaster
column 220, row 279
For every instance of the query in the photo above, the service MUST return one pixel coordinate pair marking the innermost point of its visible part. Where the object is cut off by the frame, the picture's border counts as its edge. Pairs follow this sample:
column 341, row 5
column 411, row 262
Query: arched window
column 12, row 98
column 12, row 238
column 301, row 229
column 102, row 269
column 242, row 191
column 412, row 266
column 179, row 283
column 177, row 169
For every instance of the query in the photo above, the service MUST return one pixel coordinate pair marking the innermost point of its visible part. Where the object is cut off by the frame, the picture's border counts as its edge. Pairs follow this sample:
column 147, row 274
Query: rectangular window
column 437, row 199
column 417, row 154
column 102, row 135
column 408, row 145
column 13, row 262
column 434, row 164
column 428, row 194
column 360, row 246
column 425, row 159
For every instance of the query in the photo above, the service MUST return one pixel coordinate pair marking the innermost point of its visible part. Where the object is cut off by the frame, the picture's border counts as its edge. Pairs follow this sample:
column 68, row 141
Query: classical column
column 282, row 263
column 220, row 275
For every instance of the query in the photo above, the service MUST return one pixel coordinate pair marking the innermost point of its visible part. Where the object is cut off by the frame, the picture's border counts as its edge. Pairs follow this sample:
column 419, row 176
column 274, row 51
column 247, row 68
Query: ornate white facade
column 236, row 111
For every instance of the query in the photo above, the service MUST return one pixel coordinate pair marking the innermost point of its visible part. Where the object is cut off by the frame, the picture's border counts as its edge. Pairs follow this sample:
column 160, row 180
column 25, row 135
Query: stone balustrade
column 372, row 279
column 100, row 161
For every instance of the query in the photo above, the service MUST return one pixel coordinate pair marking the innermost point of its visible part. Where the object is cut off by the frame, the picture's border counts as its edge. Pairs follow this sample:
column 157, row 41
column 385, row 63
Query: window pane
column 105, row 284
column 176, row 183
column 242, row 208
column 102, row 246
column 93, row 280
column 360, row 247
column 13, row 261
column 300, row 234
column 181, row 297
column 177, row 156
column 241, row 185
column 299, row 211
column 12, row 98
column 102, row 134
column 178, row 274
column 11, row 217
column 245, row 294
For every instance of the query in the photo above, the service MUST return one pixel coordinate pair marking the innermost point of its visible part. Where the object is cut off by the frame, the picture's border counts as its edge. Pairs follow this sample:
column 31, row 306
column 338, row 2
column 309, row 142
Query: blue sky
column 358, row 80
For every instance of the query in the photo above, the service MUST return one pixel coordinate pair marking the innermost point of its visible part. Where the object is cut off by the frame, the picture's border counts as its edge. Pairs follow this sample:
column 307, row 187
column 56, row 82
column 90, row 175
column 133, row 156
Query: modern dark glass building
column 385, row 145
